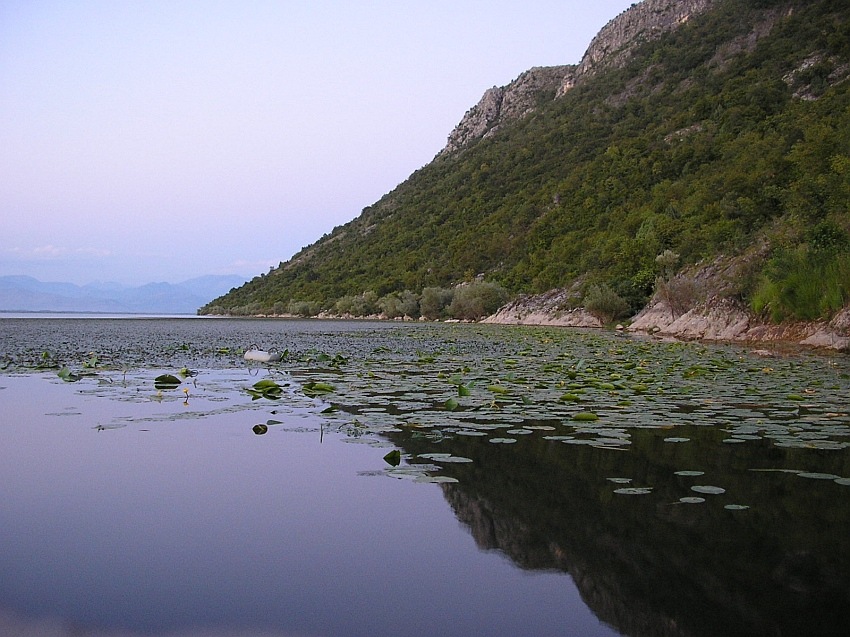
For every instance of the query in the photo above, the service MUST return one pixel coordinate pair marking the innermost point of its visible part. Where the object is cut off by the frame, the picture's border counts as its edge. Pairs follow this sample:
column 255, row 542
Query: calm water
column 706, row 494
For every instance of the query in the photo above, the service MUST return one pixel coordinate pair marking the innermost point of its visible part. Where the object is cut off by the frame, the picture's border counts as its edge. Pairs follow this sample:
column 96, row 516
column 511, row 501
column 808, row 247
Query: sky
column 161, row 140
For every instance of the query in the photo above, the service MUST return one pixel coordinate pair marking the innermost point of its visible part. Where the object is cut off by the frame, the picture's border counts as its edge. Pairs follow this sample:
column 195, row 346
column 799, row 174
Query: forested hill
column 690, row 130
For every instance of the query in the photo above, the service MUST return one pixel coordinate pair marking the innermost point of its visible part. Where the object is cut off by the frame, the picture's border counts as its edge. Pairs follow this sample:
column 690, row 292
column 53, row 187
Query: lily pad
column 708, row 489
column 393, row 458
column 633, row 491
column 691, row 500
column 818, row 476
column 166, row 381
column 585, row 416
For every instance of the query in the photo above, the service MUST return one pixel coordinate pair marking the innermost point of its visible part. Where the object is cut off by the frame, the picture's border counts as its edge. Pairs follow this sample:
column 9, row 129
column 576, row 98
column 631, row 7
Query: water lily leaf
column 708, row 489
column 585, row 416
column 318, row 388
column 451, row 404
column 633, row 491
column 503, row 441
column 673, row 439
column 620, row 480
column 845, row 482
column 166, row 381
column 260, row 429
column 393, row 458
column 68, row 376
column 690, row 473
column 692, row 500
column 736, row 507
column 818, row 476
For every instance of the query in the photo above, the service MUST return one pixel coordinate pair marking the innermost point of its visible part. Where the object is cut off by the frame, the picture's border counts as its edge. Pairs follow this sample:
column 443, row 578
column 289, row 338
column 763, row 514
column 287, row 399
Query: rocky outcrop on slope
column 502, row 104
column 612, row 46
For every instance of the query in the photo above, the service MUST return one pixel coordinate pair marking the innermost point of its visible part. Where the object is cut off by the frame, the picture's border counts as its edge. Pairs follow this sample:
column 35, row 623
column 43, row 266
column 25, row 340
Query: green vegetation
column 707, row 142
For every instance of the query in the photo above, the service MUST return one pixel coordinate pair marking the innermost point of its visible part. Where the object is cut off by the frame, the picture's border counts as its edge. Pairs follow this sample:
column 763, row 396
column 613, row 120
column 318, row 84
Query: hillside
column 688, row 131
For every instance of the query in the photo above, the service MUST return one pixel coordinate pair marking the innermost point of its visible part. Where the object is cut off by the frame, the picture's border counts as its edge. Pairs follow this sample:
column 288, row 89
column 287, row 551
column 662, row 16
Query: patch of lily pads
column 497, row 385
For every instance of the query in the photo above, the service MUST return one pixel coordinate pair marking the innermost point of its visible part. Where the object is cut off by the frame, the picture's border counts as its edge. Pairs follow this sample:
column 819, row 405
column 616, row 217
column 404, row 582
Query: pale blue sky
column 161, row 140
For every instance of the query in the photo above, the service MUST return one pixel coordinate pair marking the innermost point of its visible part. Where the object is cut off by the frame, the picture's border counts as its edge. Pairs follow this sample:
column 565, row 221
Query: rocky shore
column 718, row 319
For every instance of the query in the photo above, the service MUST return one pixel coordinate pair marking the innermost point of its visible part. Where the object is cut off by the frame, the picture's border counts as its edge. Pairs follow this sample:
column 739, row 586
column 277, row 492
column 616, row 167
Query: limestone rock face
column 502, row 104
column 643, row 22
column 612, row 46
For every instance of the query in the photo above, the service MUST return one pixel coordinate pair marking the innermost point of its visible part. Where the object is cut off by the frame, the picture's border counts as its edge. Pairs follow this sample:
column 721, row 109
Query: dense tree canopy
column 707, row 140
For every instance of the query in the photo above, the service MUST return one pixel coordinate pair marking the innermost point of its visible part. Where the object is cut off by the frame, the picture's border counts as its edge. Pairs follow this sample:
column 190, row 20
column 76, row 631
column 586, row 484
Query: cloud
column 13, row 624
column 51, row 252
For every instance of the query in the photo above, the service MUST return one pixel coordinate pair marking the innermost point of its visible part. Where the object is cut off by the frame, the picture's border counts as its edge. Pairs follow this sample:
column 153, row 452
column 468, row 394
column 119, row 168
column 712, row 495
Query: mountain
column 26, row 294
column 690, row 131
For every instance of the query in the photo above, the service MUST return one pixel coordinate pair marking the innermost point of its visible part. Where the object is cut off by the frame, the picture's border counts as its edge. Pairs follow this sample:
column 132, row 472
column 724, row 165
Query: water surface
column 708, row 495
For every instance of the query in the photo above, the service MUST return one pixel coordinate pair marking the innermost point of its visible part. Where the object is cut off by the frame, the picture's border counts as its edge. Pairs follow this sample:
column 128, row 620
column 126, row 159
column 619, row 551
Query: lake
column 416, row 479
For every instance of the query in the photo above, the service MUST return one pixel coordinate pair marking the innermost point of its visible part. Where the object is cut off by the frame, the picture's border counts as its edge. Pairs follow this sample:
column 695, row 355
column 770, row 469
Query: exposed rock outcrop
column 697, row 304
column 502, row 104
column 551, row 308
column 612, row 46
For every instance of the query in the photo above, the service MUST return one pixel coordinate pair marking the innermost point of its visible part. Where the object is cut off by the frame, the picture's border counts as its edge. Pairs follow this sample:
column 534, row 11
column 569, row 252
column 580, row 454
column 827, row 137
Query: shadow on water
column 654, row 564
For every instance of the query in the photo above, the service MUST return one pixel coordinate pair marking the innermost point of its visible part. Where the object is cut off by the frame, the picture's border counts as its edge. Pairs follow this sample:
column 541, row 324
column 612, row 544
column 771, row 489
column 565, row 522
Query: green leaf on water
column 451, row 404
column 318, row 388
column 707, row 489
column 260, row 429
column 68, row 376
column 166, row 381
column 633, row 491
column 585, row 416
column 393, row 458
column 818, row 476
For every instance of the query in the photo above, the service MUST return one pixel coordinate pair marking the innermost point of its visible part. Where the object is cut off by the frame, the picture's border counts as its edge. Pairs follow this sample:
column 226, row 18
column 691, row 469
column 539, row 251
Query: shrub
column 434, row 302
column 605, row 304
column 474, row 301
column 303, row 308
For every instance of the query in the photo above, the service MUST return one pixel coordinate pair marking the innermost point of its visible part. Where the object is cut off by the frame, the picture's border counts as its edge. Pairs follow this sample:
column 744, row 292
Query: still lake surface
column 548, row 482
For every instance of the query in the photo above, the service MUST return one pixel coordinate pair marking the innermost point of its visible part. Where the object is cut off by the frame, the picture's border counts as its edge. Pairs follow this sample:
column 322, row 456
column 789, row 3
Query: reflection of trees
column 650, row 567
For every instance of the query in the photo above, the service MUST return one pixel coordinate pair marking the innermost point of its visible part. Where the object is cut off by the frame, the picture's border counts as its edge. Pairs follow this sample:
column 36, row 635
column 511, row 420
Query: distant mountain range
column 26, row 294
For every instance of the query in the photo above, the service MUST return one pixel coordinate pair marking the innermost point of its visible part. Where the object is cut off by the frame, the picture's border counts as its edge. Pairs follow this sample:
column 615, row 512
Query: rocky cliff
column 612, row 46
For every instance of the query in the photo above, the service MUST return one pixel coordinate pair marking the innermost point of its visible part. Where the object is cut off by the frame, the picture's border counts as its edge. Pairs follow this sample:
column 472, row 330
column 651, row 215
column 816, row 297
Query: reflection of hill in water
column 650, row 567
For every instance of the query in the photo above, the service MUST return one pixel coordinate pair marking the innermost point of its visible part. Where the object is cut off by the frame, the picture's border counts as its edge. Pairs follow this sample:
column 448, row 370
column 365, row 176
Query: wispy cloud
column 52, row 252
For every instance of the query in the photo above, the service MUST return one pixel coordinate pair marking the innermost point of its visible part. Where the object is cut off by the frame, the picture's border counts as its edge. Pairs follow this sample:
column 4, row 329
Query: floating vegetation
column 708, row 489
column 448, row 388
column 691, row 500
column 266, row 388
column 166, row 381
column 633, row 491
column 818, row 476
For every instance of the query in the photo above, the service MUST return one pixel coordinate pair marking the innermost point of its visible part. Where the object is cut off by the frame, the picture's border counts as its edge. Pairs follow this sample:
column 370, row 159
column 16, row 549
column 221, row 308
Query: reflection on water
column 653, row 564
column 124, row 515
column 686, row 490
